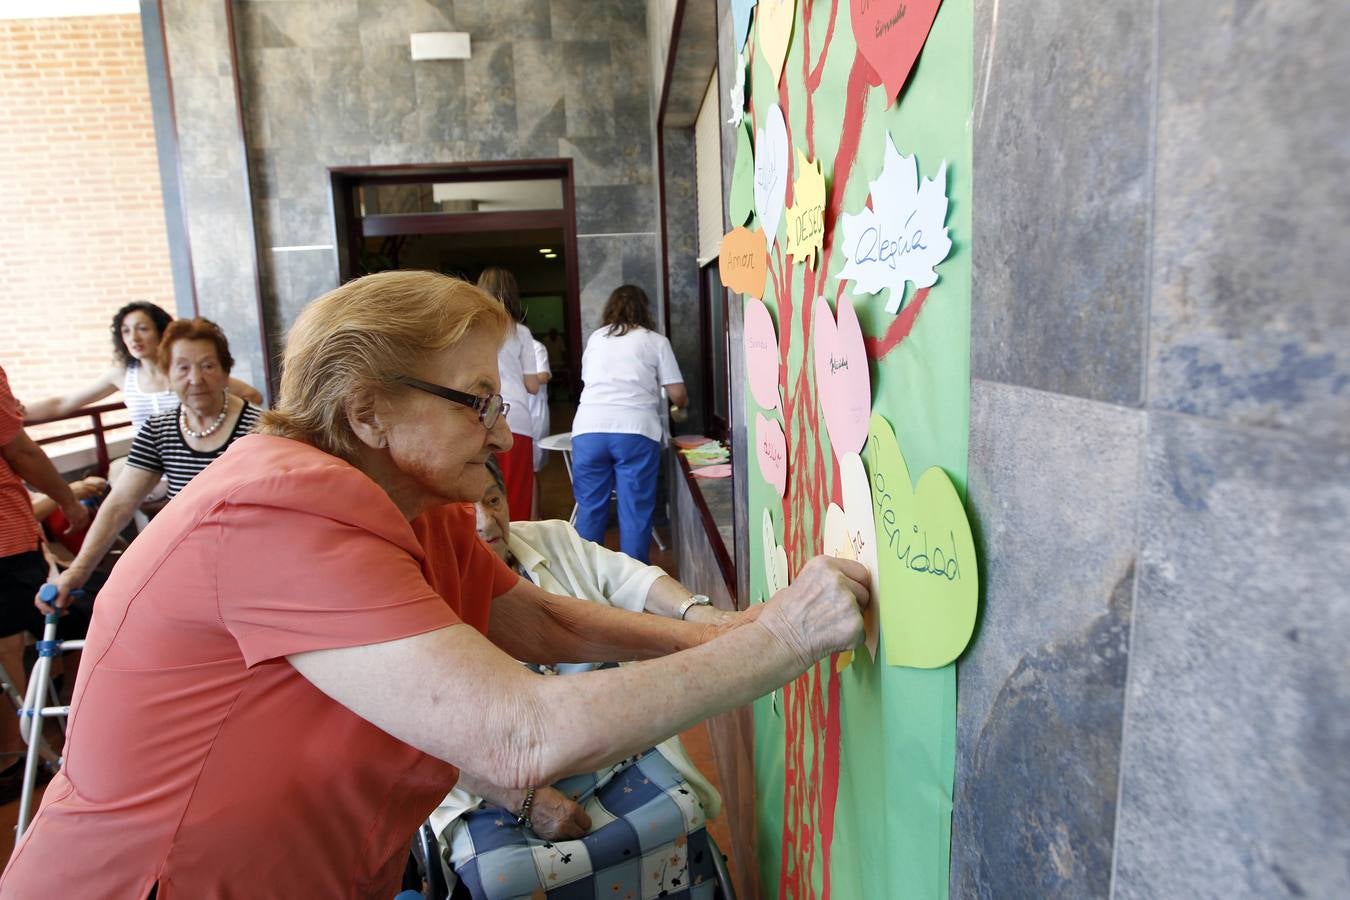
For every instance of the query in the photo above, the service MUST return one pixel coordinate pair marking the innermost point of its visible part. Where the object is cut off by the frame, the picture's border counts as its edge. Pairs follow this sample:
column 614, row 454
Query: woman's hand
column 77, row 516
column 67, row 582
column 91, row 486
column 821, row 611
column 556, row 817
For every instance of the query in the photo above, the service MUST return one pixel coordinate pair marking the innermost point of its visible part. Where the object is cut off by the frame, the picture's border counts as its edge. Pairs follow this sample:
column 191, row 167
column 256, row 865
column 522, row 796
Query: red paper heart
column 890, row 34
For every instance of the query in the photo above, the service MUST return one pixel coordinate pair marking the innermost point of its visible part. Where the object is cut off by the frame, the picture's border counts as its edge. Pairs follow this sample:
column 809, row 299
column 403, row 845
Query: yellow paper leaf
column 806, row 217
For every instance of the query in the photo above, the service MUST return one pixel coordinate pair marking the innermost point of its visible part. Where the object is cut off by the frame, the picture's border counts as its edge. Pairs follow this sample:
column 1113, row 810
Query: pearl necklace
column 215, row 426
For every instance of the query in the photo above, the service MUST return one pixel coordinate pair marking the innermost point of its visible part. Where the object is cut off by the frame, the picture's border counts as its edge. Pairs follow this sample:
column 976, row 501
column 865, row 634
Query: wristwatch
column 695, row 600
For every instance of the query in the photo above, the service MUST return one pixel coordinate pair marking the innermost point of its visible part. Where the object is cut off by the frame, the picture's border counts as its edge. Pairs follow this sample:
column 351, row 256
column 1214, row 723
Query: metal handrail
column 98, row 430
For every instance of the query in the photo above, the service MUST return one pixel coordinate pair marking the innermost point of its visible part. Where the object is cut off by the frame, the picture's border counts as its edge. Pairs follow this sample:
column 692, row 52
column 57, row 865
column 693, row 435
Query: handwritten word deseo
column 806, row 218
column 926, row 557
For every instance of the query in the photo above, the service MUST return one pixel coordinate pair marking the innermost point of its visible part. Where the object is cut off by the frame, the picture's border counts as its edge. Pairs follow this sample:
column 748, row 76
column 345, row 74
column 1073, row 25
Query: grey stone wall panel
column 1063, row 93
column 1249, row 319
column 1237, row 746
column 1041, row 690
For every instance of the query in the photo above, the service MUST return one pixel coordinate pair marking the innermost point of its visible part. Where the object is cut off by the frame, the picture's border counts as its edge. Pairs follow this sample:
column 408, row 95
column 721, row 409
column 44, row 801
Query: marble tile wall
column 212, row 179
column 332, row 83
column 1160, row 432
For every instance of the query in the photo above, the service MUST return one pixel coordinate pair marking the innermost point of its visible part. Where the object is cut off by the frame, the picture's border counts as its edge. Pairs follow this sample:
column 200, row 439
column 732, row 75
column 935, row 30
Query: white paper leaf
column 738, row 93
column 902, row 236
column 771, row 163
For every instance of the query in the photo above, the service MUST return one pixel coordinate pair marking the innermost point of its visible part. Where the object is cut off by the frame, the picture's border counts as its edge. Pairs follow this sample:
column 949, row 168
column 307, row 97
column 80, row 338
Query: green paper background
column 897, row 739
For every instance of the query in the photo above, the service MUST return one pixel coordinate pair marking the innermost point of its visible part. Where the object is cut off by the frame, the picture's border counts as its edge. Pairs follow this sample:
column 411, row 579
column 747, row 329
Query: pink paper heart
column 771, row 451
column 842, row 380
column 890, row 34
column 761, row 353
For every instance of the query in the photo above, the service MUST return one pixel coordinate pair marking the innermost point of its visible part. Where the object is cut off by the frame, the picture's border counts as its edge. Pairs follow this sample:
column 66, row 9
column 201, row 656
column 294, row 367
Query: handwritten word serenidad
column 930, row 583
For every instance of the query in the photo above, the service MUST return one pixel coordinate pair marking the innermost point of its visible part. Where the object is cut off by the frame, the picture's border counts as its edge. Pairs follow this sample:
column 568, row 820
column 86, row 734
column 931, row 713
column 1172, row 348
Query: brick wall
column 85, row 217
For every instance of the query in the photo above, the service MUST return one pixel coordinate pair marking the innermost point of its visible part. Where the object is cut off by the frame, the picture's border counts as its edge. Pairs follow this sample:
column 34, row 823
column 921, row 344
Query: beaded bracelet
column 523, row 819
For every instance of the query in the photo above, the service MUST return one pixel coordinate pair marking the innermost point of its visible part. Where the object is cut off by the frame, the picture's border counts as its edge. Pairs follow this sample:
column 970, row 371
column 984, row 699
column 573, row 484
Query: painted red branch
column 813, row 76
column 899, row 328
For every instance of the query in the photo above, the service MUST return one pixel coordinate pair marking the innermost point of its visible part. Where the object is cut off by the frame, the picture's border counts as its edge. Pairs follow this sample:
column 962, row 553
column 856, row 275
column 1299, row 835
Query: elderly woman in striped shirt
column 174, row 445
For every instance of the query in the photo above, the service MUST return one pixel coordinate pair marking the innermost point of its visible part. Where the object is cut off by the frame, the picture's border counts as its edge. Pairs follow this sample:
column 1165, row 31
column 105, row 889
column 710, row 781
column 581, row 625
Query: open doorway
column 462, row 218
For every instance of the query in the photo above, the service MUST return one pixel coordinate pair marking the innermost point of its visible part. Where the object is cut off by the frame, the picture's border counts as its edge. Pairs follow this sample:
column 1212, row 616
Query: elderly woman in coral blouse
column 277, row 688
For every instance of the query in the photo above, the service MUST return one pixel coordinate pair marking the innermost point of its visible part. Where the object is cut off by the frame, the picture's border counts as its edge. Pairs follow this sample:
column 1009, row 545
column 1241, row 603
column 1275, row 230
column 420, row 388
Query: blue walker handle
column 47, row 593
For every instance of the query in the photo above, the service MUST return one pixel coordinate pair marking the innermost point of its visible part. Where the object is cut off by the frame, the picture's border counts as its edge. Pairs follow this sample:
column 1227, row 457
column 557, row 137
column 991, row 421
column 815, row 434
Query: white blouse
column 623, row 376
column 514, row 360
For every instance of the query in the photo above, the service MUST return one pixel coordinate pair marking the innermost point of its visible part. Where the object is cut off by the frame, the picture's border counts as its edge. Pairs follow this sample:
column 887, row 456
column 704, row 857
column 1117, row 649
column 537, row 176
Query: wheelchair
column 424, row 872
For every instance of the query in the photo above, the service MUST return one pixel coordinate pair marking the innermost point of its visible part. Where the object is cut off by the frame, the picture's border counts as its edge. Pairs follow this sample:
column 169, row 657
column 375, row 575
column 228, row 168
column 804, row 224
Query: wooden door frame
column 352, row 229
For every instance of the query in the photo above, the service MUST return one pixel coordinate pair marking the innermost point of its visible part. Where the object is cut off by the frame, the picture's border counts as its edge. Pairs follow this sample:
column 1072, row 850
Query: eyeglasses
column 489, row 408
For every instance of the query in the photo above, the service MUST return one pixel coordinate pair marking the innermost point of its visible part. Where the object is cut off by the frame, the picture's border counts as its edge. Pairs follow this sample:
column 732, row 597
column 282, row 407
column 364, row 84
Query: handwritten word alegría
column 837, row 363
column 872, row 247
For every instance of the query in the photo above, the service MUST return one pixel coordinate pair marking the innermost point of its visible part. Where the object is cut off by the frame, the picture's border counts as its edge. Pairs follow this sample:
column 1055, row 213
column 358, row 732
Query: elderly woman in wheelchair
column 638, row 821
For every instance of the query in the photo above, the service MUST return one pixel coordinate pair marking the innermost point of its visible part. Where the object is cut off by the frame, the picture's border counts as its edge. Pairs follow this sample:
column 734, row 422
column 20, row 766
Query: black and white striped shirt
column 159, row 447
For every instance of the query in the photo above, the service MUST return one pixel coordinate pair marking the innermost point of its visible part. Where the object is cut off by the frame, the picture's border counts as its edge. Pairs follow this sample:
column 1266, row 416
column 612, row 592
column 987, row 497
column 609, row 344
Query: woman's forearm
column 108, row 522
column 535, row 626
column 451, row 694
column 506, row 798
column 666, row 596
column 590, row 719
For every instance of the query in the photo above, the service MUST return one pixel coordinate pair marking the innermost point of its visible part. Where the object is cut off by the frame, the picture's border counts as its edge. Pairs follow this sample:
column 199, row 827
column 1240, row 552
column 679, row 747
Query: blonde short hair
column 365, row 335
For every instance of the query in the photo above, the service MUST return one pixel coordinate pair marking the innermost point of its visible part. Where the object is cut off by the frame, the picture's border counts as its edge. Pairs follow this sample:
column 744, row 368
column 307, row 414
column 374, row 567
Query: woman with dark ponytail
column 617, row 432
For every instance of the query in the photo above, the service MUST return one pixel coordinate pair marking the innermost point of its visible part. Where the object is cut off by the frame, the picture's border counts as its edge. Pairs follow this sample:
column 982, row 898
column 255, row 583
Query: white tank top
column 140, row 404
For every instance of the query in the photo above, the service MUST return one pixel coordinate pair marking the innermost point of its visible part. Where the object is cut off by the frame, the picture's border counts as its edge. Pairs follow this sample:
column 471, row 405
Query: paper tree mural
column 854, row 763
